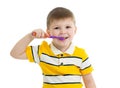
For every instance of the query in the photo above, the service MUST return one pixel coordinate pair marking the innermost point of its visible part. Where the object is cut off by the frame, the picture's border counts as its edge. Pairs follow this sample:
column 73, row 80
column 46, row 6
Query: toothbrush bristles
column 60, row 38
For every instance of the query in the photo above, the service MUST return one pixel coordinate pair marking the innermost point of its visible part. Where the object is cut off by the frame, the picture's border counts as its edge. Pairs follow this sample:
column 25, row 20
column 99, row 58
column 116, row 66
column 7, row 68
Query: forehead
column 65, row 21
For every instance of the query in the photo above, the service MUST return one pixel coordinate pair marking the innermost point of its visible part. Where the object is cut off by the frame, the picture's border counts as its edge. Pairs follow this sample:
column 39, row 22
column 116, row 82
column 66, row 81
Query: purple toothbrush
column 60, row 38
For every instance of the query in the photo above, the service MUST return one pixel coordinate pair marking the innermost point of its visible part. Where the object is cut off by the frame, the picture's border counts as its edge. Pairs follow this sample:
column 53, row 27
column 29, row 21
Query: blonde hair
column 59, row 13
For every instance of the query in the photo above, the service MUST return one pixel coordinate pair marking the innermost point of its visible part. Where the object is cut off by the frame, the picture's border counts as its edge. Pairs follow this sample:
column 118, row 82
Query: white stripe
column 74, row 61
column 65, row 61
column 61, row 79
column 35, row 54
column 49, row 59
column 85, row 64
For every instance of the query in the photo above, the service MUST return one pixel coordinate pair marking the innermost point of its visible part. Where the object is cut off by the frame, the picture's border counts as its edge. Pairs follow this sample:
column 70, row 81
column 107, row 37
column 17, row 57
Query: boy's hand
column 39, row 33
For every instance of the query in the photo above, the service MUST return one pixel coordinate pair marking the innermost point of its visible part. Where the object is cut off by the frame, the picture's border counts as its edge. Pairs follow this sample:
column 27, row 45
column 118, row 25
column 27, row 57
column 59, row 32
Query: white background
column 98, row 23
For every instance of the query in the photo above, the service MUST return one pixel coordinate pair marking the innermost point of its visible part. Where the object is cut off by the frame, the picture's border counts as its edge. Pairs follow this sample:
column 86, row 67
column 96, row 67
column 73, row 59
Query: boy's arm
column 89, row 81
column 19, row 50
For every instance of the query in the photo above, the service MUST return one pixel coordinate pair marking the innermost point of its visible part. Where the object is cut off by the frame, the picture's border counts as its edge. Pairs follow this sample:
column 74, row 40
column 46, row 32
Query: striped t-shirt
column 60, row 69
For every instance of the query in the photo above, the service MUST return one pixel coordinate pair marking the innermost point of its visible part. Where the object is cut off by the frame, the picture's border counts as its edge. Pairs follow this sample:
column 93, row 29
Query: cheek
column 53, row 33
column 49, row 32
column 72, row 33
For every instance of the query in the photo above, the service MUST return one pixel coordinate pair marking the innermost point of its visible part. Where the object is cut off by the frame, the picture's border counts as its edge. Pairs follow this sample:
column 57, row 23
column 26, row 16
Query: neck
column 62, row 48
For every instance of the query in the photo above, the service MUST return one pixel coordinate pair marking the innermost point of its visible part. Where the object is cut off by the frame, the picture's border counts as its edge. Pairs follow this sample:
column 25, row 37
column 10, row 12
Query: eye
column 68, row 27
column 56, row 28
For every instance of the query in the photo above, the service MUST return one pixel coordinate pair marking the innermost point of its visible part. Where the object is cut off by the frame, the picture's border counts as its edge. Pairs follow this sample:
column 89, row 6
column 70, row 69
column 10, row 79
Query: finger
column 46, row 35
column 42, row 34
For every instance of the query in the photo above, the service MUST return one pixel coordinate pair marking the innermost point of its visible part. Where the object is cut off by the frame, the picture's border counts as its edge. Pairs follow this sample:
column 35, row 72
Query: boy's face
column 64, row 28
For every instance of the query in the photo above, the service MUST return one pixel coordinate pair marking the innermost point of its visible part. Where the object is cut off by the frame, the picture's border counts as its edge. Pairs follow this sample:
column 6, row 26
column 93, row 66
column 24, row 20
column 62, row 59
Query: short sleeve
column 32, row 53
column 85, row 66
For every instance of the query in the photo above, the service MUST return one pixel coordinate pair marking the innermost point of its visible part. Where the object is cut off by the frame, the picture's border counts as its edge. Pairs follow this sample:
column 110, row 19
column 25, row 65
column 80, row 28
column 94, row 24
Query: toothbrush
column 60, row 38
column 57, row 37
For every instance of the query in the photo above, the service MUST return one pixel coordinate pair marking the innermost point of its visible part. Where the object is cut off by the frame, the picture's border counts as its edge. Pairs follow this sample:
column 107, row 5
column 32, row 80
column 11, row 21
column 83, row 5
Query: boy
column 63, row 64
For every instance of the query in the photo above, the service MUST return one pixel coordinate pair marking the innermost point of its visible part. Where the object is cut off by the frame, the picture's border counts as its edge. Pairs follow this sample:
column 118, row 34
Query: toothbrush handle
column 34, row 33
column 60, row 38
column 52, row 37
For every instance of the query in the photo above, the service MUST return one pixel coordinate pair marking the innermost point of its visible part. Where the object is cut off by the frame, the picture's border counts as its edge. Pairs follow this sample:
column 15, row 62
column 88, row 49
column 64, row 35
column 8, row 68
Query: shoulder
column 79, row 49
column 45, row 48
column 80, row 52
column 44, row 45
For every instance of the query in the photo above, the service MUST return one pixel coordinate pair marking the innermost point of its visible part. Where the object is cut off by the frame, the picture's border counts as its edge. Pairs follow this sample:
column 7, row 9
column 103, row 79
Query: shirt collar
column 56, row 51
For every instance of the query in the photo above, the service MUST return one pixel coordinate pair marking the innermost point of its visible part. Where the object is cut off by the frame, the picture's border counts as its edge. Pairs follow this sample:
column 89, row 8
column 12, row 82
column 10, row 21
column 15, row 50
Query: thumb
column 46, row 35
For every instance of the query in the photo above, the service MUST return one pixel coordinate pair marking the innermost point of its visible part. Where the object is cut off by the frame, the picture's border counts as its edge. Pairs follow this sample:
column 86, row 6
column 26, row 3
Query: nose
column 62, row 31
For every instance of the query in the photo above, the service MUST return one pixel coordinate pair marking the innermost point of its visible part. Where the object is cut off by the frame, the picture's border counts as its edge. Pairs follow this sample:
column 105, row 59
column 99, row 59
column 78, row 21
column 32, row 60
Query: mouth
column 63, row 38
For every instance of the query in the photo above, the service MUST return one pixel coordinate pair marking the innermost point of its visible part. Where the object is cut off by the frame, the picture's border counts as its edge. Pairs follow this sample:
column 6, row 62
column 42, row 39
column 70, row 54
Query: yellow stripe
column 62, row 85
column 56, row 70
column 87, row 70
